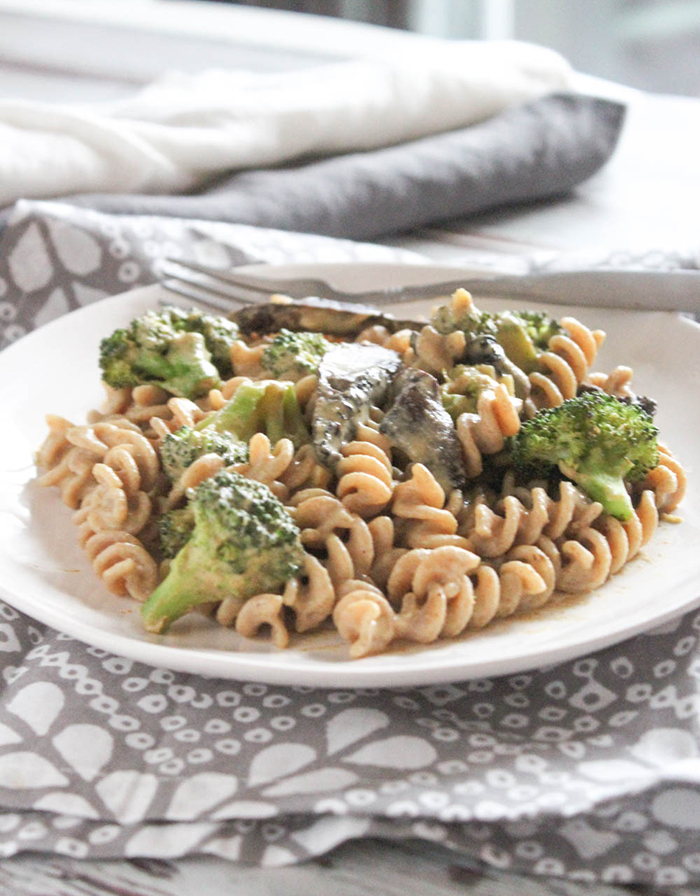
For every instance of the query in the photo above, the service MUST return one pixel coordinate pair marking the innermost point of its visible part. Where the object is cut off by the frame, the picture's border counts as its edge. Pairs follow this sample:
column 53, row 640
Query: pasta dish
column 303, row 465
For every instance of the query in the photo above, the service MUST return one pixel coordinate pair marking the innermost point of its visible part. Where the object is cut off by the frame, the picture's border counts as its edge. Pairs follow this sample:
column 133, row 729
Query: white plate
column 45, row 574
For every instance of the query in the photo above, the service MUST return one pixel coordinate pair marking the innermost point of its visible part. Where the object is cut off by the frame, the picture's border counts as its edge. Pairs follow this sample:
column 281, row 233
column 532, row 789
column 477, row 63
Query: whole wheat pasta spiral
column 305, row 391
column 521, row 580
column 527, row 579
column 118, row 558
column 311, row 597
column 304, row 471
column 522, row 517
column 116, row 402
column 136, row 459
column 565, row 364
column 435, row 592
column 146, row 403
column 420, row 503
column 582, row 563
column 617, row 382
column 55, row 444
column 125, row 477
column 73, row 476
column 263, row 610
column 386, row 552
column 344, row 537
column 246, row 360
column 353, row 557
column 66, row 466
column 436, row 352
column 319, row 514
column 492, row 534
column 114, row 503
column 266, row 464
column 667, row 480
column 626, row 538
column 71, row 453
column 364, row 618
column 365, row 481
column 485, row 432
column 401, row 341
column 524, row 579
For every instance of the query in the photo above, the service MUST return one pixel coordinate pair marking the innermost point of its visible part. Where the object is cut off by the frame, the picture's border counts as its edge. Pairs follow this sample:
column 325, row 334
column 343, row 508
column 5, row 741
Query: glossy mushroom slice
column 418, row 425
column 352, row 378
column 318, row 315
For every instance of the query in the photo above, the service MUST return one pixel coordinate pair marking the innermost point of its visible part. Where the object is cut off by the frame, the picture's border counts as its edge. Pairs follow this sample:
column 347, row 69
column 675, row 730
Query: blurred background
column 98, row 49
column 650, row 44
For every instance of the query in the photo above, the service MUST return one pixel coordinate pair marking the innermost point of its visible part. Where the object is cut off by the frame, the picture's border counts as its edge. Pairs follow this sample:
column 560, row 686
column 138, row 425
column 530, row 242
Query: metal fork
column 630, row 289
column 221, row 288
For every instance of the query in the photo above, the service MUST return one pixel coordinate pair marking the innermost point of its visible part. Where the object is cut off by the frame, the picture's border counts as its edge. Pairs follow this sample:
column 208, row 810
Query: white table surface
column 647, row 197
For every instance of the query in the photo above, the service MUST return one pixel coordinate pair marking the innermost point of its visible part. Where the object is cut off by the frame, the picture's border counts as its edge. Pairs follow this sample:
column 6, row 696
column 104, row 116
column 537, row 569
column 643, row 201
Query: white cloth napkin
column 183, row 129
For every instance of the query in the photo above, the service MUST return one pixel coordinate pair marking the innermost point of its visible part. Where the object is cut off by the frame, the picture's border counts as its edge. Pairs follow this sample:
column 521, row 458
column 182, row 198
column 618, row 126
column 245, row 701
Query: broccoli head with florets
column 181, row 448
column 266, row 406
column 182, row 351
column 598, row 441
column 243, row 542
column 460, row 313
column 219, row 334
column 175, row 529
column 292, row 355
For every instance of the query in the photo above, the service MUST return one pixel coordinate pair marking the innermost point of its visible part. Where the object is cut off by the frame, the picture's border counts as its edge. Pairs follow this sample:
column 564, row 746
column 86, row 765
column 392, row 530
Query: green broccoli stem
column 190, row 583
column 239, row 416
column 294, row 425
column 607, row 488
column 280, row 416
column 262, row 406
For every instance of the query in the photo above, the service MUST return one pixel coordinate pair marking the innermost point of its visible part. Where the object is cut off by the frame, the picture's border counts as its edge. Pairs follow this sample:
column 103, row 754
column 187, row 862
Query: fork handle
column 641, row 290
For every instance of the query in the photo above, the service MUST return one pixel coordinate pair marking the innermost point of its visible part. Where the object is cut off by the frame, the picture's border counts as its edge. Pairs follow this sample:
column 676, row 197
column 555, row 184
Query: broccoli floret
column 175, row 529
column 219, row 334
column 292, row 355
column 152, row 351
column 538, row 326
column 244, row 542
column 181, row 448
column 184, row 352
column 523, row 335
column 260, row 406
column 468, row 319
column 597, row 441
column 462, row 387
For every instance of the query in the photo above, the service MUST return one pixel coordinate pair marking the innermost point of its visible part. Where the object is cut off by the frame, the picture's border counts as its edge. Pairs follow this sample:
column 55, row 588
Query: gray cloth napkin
column 55, row 257
column 532, row 152
column 587, row 770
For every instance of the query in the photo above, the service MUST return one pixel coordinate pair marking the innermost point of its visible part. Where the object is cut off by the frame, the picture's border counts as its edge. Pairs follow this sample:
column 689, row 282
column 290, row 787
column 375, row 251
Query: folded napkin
column 587, row 770
column 534, row 151
column 184, row 129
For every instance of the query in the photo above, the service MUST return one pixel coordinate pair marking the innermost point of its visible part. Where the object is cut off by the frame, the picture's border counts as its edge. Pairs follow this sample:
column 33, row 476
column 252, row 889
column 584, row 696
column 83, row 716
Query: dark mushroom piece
column 352, row 378
column 317, row 315
column 418, row 425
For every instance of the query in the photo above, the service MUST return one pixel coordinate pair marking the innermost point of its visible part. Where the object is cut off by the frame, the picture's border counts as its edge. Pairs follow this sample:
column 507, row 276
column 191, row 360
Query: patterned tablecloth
column 588, row 770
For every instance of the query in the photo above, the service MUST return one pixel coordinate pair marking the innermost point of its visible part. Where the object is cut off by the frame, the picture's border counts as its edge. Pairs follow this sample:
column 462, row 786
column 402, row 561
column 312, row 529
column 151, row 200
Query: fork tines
column 210, row 287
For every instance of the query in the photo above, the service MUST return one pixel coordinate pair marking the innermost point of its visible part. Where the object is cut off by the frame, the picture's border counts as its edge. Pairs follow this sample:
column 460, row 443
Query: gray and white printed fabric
column 588, row 770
